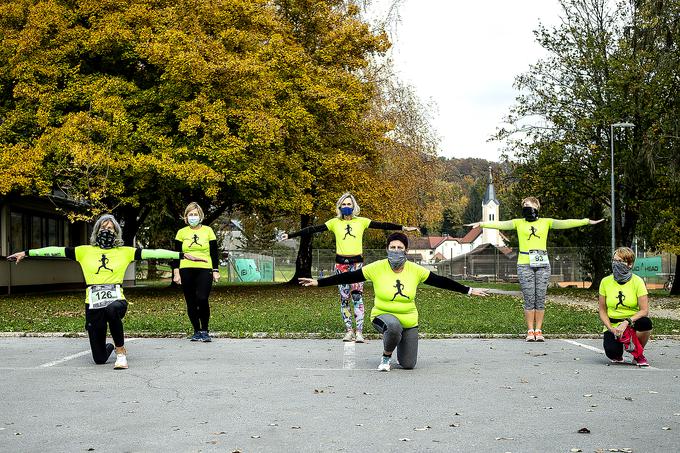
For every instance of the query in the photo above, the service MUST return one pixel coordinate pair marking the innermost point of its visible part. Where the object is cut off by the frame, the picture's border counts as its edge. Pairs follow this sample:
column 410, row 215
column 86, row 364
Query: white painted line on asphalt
column 64, row 359
column 336, row 369
column 598, row 350
column 592, row 348
column 73, row 356
column 348, row 358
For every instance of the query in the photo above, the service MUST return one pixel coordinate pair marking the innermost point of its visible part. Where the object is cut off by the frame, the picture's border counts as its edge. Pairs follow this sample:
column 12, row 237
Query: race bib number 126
column 103, row 295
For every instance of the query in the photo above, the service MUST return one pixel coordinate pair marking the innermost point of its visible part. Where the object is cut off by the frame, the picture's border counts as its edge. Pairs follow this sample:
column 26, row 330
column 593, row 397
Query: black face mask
column 530, row 214
column 106, row 239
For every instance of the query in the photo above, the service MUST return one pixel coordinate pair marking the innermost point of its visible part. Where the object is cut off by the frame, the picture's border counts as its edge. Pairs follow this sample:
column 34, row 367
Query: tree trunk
column 675, row 289
column 303, row 263
column 131, row 219
column 628, row 228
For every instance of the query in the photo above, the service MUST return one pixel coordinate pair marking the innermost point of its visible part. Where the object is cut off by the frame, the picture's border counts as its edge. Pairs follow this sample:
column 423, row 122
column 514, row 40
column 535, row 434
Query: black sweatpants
column 196, row 284
column 95, row 324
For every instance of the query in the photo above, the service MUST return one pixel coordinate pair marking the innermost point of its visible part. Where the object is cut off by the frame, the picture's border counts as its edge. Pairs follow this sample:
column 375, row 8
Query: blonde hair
column 356, row 210
column 190, row 207
column 116, row 228
column 626, row 254
column 532, row 200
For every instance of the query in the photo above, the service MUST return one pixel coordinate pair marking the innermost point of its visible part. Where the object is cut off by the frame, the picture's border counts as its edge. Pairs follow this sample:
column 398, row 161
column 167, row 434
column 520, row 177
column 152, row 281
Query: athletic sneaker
column 349, row 336
column 641, row 361
column 205, row 336
column 384, row 364
column 538, row 335
column 121, row 362
column 617, row 360
column 196, row 336
column 359, row 338
column 530, row 336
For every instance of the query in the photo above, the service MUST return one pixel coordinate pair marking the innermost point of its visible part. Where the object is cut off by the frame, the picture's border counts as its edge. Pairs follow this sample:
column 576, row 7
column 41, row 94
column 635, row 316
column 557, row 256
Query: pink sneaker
column 641, row 361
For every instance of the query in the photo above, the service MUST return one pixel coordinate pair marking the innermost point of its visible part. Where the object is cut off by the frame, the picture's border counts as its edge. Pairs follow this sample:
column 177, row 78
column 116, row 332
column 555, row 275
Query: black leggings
column 613, row 348
column 95, row 324
column 196, row 284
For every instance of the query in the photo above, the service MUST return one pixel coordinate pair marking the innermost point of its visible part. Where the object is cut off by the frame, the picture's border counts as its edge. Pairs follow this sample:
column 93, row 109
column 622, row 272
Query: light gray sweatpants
column 404, row 340
column 534, row 284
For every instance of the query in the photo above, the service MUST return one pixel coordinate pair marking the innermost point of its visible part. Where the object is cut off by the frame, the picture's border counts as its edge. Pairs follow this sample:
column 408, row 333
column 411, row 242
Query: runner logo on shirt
column 399, row 287
column 621, row 297
column 195, row 241
column 104, row 260
column 533, row 233
column 348, row 231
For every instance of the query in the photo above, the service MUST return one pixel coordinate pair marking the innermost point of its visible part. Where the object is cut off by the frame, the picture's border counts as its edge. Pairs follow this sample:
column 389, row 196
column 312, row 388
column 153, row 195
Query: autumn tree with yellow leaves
column 271, row 107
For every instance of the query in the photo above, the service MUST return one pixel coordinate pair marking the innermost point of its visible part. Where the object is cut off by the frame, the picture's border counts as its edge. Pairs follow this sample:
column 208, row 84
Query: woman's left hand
column 216, row 276
column 407, row 228
column 478, row 292
column 190, row 257
column 594, row 222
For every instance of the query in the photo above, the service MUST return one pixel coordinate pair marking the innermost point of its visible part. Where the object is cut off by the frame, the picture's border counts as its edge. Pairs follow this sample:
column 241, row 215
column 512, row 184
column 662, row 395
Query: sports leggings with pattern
column 533, row 282
column 353, row 293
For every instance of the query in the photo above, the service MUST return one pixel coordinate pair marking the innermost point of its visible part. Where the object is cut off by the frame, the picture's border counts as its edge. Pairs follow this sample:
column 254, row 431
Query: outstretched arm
column 63, row 252
column 391, row 226
column 439, row 281
column 570, row 223
column 309, row 230
column 346, row 278
column 162, row 254
column 505, row 225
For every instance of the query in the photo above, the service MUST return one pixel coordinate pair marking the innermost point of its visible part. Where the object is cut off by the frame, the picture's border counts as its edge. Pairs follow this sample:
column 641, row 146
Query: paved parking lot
column 496, row 395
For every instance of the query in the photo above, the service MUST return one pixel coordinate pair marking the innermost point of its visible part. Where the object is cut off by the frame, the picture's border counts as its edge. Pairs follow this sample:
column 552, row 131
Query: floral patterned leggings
column 353, row 292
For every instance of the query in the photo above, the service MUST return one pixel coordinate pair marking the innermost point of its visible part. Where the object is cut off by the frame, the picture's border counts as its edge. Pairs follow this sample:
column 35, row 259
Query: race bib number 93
column 538, row 258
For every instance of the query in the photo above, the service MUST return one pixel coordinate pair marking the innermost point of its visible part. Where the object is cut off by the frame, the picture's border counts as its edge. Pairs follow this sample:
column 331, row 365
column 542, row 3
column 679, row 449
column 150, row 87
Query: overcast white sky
column 464, row 56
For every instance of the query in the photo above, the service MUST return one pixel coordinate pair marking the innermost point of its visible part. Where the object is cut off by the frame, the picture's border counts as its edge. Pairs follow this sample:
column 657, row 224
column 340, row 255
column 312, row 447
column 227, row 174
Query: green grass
column 240, row 310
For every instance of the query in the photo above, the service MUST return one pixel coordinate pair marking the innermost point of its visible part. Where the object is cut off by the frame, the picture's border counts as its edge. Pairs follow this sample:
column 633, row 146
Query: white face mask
column 193, row 220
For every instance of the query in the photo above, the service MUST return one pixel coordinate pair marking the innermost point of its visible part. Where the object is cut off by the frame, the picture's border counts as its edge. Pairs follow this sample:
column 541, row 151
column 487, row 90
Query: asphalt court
column 247, row 395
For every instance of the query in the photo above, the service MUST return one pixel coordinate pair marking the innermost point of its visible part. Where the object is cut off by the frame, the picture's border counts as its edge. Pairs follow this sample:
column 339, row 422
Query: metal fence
column 490, row 264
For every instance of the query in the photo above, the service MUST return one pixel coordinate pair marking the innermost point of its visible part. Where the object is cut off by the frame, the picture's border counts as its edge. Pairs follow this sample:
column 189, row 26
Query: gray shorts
column 533, row 282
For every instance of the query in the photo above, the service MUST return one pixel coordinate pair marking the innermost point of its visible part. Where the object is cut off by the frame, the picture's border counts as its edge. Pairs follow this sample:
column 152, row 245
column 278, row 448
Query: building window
column 32, row 230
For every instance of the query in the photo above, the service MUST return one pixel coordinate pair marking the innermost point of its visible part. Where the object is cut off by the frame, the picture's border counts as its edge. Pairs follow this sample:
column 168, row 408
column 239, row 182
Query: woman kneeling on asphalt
column 395, row 281
column 104, row 263
column 623, row 308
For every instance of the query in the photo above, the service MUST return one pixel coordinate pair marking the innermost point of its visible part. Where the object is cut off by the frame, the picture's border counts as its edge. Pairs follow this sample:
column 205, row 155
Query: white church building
column 432, row 249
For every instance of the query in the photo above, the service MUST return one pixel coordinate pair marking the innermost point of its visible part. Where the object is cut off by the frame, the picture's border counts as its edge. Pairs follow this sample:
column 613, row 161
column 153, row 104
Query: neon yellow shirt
column 348, row 234
column 395, row 293
column 104, row 266
column 533, row 235
column 622, row 300
column 197, row 243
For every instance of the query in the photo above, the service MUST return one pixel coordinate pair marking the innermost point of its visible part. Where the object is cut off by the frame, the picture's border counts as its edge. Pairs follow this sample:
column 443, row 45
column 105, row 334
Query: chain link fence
column 488, row 264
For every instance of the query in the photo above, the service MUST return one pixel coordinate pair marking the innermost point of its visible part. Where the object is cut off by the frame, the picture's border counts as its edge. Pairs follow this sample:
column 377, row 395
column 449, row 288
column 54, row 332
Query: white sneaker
column 359, row 338
column 384, row 364
column 349, row 336
column 121, row 362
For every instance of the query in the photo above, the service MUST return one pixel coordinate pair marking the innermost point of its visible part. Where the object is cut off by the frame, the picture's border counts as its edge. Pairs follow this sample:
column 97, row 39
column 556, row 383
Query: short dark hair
column 397, row 236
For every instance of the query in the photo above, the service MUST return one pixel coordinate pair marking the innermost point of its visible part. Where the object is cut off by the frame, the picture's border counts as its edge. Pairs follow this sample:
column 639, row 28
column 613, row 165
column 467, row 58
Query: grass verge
column 240, row 310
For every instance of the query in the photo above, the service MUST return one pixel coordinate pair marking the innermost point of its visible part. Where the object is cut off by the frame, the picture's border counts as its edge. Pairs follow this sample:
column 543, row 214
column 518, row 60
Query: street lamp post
column 611, row 140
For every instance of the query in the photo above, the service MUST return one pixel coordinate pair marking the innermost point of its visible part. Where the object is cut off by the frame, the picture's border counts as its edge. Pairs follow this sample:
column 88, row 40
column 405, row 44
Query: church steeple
column 490, row 213
column 490, row 194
